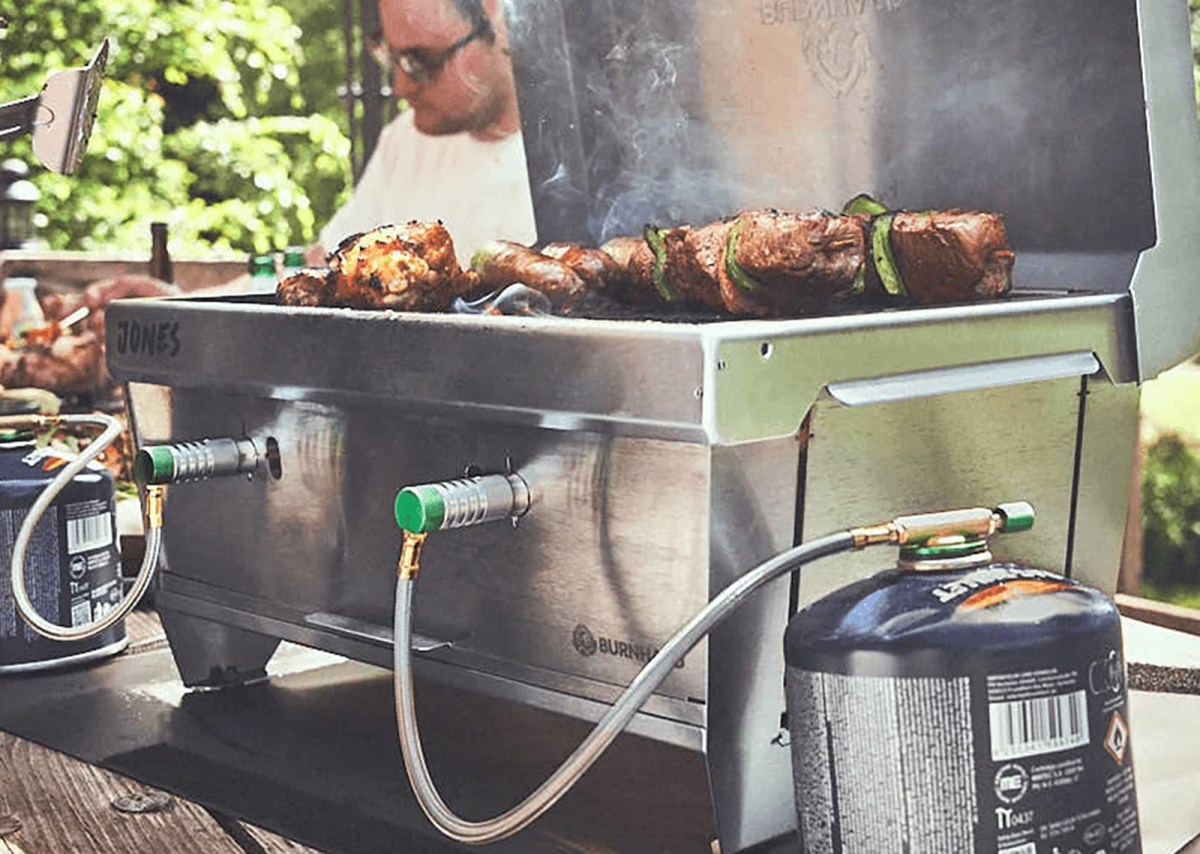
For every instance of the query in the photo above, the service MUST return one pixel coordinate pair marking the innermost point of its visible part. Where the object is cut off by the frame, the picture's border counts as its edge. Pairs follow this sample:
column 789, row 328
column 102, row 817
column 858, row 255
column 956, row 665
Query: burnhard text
column 786, row 11
column 985, row 578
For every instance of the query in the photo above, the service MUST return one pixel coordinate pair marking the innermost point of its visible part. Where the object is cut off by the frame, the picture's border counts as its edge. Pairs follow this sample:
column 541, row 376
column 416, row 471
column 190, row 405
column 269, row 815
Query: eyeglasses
column 423, row 64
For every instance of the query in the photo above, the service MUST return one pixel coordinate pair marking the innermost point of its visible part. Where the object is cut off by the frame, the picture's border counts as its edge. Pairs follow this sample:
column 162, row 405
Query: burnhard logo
column 588, row 644
column 584, row 641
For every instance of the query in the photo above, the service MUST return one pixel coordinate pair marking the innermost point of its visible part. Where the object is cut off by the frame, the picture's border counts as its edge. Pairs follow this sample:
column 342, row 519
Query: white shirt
column 479, row 190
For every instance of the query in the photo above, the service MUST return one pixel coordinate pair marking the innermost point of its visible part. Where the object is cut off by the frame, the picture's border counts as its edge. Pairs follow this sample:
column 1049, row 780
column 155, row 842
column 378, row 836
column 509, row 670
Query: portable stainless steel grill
column 664, row 459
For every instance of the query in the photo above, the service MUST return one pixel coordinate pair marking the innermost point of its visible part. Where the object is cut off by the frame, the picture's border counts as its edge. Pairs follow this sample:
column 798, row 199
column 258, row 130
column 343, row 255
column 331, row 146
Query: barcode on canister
column 1038, row 725
column 89, row 532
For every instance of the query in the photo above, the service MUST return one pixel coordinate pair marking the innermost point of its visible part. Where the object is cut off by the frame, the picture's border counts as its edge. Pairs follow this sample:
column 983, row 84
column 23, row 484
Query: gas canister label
column 1018, row 760
column 89, row 526
column 1036, row 712
column 987, row 577
column 1039, row 725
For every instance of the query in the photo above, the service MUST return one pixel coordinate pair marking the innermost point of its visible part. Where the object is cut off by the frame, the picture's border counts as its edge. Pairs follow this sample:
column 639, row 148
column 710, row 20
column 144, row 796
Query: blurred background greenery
column 220, row 118
column 1171, row 464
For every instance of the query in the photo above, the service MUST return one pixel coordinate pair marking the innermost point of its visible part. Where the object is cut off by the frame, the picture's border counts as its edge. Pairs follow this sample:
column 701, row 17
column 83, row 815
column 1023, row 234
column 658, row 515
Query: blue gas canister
column 72, row 570
column 958, row 704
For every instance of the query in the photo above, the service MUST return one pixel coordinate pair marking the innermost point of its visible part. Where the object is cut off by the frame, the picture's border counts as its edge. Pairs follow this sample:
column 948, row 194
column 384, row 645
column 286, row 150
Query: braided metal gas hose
column 154, row 498
column 609, row 726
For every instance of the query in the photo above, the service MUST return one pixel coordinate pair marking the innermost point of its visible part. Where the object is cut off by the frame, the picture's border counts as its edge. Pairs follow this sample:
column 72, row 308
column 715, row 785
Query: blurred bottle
column 263, row 276
column 293, row 261
column 161, row 267
column 21, row 307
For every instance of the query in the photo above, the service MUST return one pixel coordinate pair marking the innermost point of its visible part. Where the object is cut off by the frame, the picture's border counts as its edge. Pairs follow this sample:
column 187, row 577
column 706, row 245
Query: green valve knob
column 194, row 460
column 1018, row 516
column 420, row 509
column 427, row 507
column 154, row 465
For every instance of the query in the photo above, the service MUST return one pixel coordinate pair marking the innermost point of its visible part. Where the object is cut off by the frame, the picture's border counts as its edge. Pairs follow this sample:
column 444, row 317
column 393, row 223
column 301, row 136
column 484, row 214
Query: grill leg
column 215, row 655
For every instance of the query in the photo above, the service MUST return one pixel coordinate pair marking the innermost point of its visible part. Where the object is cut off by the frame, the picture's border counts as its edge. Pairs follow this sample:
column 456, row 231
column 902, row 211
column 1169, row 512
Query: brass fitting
column 410, row 556
column 29, row 422
column 875, row 535
column 155, row 496
column 974, row 522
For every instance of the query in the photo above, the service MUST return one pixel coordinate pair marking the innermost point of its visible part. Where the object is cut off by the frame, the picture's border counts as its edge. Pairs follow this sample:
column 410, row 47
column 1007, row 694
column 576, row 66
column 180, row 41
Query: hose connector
column 153, row 502
column 429, row 507
column 409, row 566
column 197, row 460
column 28, row 423
column 975, row 523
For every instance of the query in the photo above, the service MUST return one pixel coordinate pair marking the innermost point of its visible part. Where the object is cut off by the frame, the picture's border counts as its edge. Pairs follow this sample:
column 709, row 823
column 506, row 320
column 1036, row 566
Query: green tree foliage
column 218, row 117
column 1194, row 10
column 1171, row 514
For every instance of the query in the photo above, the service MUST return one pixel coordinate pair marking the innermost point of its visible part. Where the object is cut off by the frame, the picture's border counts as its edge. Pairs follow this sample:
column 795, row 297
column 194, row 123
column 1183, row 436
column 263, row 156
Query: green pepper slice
column 864, row 204
column 654, row 237
column 885, row 261
column 740, row 277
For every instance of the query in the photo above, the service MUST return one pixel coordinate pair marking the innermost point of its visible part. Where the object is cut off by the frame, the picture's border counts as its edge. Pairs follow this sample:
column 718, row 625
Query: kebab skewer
column 761, row 263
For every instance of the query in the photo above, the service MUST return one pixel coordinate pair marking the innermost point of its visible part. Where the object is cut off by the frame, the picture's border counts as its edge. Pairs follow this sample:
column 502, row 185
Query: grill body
column 663, row 460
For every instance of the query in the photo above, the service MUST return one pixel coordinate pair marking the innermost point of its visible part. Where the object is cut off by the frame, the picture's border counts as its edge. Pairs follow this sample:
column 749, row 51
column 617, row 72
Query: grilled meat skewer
column 594, row 266
column 951, row 256
column 760, row 263
column 499, row 263
column 410, row 267
column 632, row 283
column 308, row 287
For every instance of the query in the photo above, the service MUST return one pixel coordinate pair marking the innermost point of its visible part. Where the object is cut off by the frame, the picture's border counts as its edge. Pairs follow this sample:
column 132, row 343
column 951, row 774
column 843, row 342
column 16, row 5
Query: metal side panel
column 763, row 377
column 978, row 448
column 1110, row 433
column 749, row 764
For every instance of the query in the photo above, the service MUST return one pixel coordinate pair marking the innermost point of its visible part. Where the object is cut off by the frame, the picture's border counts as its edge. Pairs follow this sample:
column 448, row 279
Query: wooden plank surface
column 60, row 804
column 50, row 802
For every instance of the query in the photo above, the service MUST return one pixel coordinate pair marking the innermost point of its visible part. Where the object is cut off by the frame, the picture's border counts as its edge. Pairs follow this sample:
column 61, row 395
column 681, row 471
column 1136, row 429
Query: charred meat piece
column 634, row 282
column 500, row 263
column 951, row 256
column 595, row 267
column 692, row 264
column 408, row 267
column 780, row 264
column 307, row 287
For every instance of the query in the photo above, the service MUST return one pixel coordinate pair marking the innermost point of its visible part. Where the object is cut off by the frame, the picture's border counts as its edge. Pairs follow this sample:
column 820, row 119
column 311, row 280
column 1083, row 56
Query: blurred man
column 456, row 154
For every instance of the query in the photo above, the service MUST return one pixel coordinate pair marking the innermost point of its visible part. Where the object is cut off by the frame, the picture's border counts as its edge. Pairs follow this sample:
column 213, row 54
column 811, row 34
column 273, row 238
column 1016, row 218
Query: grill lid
column 1074, row 119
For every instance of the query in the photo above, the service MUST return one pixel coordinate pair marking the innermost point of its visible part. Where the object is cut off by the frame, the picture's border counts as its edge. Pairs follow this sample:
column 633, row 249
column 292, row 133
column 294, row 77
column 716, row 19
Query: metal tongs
column 60, row 117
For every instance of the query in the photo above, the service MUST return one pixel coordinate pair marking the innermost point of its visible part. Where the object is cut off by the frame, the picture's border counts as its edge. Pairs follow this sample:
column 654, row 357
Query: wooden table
column 50, row 802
